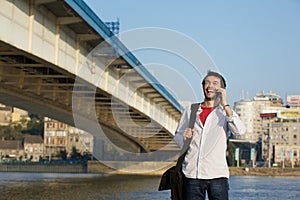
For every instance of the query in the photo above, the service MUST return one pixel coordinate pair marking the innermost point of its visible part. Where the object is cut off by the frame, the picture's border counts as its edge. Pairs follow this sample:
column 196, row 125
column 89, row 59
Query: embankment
column 96, row 167
column 141, row 168
column 264, row 171
column 45, row 168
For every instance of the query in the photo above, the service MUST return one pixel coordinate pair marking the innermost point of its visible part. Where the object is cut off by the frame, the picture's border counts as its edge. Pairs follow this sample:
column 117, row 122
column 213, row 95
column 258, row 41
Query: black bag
column 173, row 177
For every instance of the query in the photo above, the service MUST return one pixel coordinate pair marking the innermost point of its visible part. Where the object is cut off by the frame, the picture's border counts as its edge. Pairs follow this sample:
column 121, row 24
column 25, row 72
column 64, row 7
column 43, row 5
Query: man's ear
column 223, row 83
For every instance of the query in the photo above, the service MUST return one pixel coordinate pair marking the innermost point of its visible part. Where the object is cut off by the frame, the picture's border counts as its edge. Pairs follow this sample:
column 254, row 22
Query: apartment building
column 5, row 115
column 80, row 139
column 11, row 149
column 19, row 116
column 274, row 126
column 249, row 112
column 281, row 135
column 12, row 115
column 60, row 137
column 33, row 148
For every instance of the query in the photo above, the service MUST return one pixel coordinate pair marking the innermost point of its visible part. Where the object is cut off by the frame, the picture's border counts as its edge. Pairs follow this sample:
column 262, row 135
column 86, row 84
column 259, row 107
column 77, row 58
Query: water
column 256, row 187
column 95, row 186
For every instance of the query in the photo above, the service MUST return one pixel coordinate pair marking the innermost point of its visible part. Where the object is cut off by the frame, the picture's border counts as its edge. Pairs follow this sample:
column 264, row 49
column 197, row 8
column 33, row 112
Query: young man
column 205, row 166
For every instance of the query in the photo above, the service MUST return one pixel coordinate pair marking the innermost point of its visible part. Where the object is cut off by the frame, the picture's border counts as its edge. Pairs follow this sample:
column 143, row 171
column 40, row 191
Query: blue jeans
column 195, row 189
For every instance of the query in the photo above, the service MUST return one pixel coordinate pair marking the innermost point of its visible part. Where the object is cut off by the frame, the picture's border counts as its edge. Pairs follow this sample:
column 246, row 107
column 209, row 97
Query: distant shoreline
column 264, row 171
column 97, row 167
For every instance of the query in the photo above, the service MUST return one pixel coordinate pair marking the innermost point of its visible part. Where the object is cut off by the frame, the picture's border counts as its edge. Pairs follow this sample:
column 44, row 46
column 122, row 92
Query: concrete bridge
column 59, row 60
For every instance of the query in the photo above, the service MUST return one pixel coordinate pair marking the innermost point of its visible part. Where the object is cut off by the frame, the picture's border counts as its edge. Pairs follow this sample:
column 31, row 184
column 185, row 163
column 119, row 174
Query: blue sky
column 255, row 44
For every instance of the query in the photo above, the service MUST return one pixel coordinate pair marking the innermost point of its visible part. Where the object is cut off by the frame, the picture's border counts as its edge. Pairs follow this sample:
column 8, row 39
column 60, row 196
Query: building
column 55, row 137
column 269, row 98
column 273, row 127
column 286, row 155
column 19, row 116
column 60, row 137
column 81, row 140
column 5, row 115
column 11, row 150
column 33, row 148
column 12, row 115
column 249, row 112
column 293, row 101
column 281, row 135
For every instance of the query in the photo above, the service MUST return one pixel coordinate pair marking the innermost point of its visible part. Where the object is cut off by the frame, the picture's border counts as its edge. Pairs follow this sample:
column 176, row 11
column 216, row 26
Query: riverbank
column 264, row 171
column 43, row 168
column 135, row 168
column 96, row 167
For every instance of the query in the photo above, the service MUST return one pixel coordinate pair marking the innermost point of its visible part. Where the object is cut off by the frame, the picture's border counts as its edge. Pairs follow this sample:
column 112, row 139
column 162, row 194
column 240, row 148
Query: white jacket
column 206, row 156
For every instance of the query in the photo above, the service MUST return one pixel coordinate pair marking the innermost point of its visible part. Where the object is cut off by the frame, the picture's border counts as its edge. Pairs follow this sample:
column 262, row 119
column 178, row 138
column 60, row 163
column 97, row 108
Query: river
column 48, row 186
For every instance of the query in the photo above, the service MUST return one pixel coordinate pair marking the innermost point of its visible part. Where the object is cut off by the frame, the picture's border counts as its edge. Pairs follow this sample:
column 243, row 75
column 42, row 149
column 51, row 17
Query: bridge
column 58, row 59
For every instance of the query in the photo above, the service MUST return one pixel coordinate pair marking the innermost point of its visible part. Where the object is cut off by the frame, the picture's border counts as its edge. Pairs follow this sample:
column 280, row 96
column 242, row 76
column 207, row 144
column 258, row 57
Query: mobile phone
column 219, row 94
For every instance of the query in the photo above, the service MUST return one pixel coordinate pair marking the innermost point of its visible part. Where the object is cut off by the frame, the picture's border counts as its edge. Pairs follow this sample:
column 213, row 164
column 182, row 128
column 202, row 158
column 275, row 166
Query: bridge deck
column 42, row 51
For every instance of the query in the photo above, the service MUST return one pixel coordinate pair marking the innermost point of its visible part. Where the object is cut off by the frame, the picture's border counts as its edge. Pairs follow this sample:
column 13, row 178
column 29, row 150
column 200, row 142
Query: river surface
column 46, row 186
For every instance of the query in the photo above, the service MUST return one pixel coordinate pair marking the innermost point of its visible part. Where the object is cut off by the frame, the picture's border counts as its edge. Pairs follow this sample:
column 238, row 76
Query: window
column 61, row 133
column 61, row 125
column 50, row 125
column 50, row 133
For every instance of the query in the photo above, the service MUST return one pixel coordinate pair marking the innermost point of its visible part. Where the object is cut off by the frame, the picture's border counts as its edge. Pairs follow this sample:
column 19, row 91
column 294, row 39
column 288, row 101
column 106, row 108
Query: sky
column 254, row 44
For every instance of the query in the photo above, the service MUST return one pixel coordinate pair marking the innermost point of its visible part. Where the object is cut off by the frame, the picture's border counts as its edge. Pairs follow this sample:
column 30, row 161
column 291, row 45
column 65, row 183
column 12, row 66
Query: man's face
column 211, row 85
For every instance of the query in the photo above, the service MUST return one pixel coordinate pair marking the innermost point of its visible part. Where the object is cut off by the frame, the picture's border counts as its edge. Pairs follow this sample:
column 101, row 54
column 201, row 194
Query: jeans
column 195, row 189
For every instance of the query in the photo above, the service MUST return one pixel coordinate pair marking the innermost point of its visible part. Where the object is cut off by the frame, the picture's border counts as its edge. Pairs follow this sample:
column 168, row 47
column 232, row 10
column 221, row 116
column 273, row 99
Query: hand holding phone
column 221, row 94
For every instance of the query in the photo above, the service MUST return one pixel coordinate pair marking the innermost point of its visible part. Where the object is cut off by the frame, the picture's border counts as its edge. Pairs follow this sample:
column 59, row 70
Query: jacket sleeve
column 235, row 125
column 183, row 124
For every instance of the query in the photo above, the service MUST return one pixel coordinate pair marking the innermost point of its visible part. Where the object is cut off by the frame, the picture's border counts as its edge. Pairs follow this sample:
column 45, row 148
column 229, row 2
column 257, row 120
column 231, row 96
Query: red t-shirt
column 205, row 112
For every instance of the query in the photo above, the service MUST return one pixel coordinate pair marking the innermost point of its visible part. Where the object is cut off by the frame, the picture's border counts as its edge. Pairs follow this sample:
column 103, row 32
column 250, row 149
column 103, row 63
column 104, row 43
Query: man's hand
column 224, row 102
column 188, row 133
column 223, row 97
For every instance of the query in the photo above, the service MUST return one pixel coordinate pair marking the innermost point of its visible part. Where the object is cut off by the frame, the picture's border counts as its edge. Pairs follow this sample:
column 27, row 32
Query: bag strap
column 187, row 142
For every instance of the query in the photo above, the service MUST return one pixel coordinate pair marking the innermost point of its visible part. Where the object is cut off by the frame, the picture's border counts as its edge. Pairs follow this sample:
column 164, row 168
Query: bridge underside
column 39, row 66
column 32, row 84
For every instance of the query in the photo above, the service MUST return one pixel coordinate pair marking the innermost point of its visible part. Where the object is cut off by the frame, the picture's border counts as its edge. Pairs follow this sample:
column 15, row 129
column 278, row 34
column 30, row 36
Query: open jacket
column 206, row 156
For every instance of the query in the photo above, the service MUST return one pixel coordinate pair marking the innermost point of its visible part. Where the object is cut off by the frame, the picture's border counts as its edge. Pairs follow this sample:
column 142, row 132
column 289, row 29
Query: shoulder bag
column 173, row 177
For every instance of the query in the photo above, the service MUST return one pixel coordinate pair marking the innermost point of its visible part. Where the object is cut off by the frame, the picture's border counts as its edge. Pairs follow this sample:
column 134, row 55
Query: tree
column 62, row 154
column 10, row 133
column 230, row 153
column 35, row 126
column 75, row 154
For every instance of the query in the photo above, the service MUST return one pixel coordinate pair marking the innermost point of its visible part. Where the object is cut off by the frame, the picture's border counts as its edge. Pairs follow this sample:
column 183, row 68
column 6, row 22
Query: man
column 205, row 166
